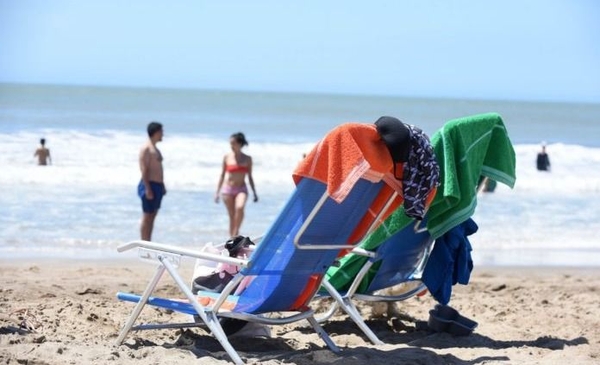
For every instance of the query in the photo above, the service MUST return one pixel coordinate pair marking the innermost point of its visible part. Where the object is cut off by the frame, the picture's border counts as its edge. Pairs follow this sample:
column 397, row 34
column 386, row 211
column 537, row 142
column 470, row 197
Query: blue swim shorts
column 151, row 206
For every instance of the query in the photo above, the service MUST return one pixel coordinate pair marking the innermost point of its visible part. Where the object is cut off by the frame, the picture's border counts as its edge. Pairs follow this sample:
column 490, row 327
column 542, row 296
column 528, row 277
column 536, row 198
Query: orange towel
column 346, row 154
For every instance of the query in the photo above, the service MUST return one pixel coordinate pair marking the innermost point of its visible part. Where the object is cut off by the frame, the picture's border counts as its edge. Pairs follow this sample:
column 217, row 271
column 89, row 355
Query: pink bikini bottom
column 233, row 190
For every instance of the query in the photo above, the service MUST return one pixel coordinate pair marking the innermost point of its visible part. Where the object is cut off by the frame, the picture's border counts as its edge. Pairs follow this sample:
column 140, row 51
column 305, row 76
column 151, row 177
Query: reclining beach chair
column 329, row 212
column 399, row 250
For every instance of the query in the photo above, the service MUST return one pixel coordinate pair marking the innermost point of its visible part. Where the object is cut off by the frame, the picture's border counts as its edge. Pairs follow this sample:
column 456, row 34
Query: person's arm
column 145, row 169
column 221, row 179
column 49, row 158
column 250, row 179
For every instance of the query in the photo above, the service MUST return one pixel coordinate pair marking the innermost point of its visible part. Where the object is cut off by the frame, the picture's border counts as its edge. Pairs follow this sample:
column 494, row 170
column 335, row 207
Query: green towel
column 465, row 149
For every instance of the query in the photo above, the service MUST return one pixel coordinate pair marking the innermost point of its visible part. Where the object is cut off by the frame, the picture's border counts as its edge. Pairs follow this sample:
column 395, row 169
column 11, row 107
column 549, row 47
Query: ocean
column 85, row 204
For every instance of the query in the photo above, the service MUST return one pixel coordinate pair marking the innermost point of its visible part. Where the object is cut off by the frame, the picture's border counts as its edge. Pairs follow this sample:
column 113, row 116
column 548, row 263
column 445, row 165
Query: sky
column 539, row 50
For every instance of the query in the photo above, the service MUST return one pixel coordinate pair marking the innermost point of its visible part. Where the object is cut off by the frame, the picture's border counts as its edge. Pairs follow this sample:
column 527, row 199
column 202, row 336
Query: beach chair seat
column 286, row 268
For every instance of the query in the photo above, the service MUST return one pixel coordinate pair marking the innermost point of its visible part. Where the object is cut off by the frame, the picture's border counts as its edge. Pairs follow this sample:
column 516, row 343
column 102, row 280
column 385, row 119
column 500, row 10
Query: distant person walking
column 151, row 188
column 232, row 182
column 43, row 154
column 543, row 161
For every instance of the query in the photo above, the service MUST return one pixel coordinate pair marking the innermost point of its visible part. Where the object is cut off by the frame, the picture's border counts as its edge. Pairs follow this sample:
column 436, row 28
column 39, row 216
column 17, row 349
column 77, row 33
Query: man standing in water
column 43, row 154
column 543, row 161
column 151, row 188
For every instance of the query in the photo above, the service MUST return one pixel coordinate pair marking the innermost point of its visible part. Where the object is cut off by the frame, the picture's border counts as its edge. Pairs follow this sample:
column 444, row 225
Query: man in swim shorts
column 151, row 188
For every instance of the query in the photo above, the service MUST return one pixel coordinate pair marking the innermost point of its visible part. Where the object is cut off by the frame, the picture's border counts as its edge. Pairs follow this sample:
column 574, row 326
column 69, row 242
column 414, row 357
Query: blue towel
column 450, row 261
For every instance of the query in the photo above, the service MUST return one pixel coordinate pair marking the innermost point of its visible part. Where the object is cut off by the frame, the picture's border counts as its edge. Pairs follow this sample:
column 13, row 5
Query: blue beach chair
column 284, row 271
column 399, row 250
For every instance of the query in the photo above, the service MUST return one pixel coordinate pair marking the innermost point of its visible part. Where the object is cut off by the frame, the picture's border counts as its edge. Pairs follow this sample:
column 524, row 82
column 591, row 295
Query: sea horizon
column 296, row 92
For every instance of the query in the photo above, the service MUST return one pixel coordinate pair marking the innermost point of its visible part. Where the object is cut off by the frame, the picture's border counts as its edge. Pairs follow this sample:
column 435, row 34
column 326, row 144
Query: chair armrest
column 170, row 249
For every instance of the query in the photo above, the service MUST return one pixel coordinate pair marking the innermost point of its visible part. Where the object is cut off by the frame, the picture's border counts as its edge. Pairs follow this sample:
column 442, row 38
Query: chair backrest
column 399, row 258
column 285, row 277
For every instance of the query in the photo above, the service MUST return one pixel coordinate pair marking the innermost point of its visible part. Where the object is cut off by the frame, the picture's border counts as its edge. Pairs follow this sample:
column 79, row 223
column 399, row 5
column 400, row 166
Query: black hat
column 396, row 136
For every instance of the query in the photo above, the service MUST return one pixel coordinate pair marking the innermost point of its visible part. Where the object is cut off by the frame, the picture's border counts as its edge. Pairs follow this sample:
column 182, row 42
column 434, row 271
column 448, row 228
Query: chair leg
column 208, row 317
column 140, row 305
column 324, row 335
column 217, row 331
column 349, row 307
column 353, row 312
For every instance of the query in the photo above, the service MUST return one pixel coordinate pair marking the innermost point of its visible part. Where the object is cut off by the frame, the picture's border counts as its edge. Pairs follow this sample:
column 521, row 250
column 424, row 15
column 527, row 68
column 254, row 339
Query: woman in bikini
column 232, row 182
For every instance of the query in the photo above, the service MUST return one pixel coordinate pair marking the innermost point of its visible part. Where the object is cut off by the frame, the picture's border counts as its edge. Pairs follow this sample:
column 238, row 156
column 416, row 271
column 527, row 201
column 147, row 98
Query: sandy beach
column 65, row 312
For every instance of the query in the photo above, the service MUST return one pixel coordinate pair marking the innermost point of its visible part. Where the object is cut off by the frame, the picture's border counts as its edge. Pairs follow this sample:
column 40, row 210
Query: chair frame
column 346, row 299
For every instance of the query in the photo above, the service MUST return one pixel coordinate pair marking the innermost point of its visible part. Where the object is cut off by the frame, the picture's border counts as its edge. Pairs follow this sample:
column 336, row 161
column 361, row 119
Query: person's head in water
column 43, row 141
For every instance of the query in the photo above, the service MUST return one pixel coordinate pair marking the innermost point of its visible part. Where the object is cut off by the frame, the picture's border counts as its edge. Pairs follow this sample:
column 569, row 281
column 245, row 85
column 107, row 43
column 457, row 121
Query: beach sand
column 525, row 316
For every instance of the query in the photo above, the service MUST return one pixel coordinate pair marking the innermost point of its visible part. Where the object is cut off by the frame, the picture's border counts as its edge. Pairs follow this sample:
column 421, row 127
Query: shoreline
column 525, row 315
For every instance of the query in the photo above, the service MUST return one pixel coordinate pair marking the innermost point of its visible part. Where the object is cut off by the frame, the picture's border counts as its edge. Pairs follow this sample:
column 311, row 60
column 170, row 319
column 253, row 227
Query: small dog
column 390, row 308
